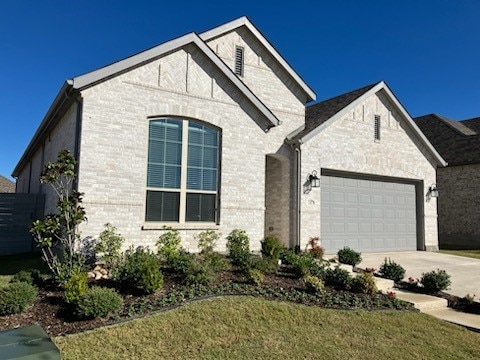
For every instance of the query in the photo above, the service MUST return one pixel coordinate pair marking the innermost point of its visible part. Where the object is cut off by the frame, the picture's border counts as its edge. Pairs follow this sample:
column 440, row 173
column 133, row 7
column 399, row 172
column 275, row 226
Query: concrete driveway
column 464, row 272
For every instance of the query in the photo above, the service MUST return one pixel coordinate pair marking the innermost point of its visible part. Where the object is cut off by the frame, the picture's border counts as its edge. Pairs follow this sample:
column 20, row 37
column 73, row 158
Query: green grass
column 252, row 328
column 465, row 253
column 11, row 264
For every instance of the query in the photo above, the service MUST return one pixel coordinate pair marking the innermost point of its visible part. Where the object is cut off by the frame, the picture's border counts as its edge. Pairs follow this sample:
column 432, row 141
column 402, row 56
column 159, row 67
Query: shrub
column 238, row 246
column 30, row 276
column 215, row 261
column 435, row 281
column 140, row 269
column 391, row 270
column 207, row 240
column 108, row 246
column 199, row 273
column 75, row 287
column 315, row 249
column 255, row 276
column 181, row 262
column 313, row 284
column 287, row 256
column 265, row 265
column 364, row 283
column 271, row 247
column 15, row 297
column 337, row 277
column 98, row 302
column 169, row 244
column 349, row 256
column 305, row 264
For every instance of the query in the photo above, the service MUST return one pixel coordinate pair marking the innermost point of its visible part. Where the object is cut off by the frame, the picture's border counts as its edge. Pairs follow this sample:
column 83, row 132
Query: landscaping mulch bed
column 52, row 313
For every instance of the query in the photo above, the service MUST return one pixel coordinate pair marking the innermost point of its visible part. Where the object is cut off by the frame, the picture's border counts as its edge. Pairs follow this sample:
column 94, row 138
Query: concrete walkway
column 464, row 272
column 465, row 277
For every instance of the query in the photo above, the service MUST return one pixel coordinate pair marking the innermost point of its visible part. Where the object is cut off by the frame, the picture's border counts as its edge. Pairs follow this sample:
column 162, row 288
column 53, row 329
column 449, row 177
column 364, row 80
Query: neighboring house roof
column 64, row 97
column 6, row 185
column 457, row 141
column 321, row 115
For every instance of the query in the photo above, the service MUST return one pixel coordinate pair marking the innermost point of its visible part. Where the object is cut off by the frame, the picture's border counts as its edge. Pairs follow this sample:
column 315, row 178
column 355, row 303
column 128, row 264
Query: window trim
column 183, row 190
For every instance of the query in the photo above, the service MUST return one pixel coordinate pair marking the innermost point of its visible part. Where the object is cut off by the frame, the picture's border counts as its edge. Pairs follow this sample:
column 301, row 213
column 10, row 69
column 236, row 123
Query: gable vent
column 239, row 59
column 377, row 127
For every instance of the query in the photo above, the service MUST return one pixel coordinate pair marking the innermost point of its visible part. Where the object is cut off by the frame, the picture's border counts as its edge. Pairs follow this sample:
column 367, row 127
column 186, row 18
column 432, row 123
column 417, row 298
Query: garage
column 367, row 214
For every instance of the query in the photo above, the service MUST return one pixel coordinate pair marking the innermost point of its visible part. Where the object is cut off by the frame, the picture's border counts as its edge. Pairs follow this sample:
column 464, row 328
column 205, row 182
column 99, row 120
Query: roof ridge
column 361, row 90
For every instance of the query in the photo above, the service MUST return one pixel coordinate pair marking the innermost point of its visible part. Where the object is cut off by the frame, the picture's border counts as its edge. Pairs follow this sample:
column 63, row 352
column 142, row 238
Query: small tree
column 57, row 235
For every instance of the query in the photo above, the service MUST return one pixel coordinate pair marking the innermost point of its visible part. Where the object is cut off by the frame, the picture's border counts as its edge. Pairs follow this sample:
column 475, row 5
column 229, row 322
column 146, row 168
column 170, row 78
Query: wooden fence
column 17, row 212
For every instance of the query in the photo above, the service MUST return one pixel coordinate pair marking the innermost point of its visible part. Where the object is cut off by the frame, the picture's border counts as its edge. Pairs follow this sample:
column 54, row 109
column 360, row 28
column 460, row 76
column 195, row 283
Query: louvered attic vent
column 239, row 51
column 377, row 127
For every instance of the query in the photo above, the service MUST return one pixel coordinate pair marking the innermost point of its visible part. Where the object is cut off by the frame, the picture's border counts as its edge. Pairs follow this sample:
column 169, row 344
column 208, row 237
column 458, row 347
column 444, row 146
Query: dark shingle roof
column 319, row 113
column 6, row 185
column 458, row 142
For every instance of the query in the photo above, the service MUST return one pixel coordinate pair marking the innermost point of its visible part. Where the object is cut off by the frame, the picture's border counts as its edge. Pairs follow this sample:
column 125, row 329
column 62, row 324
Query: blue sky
column 428, row 51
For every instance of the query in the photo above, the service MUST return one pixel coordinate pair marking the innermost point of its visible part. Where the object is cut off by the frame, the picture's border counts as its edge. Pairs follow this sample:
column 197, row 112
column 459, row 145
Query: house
column 459, row 183
column 6, row 185
column 211, row 131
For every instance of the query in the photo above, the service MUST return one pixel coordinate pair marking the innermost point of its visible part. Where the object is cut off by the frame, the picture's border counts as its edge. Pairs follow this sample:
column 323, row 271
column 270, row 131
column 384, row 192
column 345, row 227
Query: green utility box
column 29, row 342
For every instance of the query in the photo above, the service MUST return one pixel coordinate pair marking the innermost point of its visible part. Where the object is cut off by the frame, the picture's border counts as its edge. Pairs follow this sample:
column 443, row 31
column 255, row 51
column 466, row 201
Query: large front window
column 182, row 175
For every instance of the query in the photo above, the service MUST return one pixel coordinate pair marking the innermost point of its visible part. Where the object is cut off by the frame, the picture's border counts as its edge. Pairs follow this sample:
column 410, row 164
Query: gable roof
column 67, row 94
column 244, row 21
column 6, row 185
column 317, row 114
column 457, row 141
column 321, row 115
column 107, row 72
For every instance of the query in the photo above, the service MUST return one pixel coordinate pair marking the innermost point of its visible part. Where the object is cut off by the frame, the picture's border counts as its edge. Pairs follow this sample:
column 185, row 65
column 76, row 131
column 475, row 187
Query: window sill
column 177, row 226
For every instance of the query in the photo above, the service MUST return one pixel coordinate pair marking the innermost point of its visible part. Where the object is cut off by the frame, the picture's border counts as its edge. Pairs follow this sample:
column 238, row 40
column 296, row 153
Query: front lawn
column 253, row 328
column 465, row 253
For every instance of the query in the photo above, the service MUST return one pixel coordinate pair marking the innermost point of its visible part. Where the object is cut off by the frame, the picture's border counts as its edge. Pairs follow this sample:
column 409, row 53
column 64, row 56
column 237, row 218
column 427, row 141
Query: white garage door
column 367, row 215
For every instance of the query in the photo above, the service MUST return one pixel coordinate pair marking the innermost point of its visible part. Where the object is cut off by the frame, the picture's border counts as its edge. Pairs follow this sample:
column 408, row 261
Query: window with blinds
column 182, row 171
column 239, row 60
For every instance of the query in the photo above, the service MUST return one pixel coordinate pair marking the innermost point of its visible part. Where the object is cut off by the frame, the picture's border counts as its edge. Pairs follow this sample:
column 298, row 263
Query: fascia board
column 414, row 127
column 295, row 132
column 380, row 86
column 63, row 94
column 244, row 21
column 342, row 112
column 236, row 81
column 95, row 76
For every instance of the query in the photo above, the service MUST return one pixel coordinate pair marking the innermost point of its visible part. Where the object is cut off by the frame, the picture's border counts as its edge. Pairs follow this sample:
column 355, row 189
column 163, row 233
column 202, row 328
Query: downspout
column 78, row 131
column 298, row 161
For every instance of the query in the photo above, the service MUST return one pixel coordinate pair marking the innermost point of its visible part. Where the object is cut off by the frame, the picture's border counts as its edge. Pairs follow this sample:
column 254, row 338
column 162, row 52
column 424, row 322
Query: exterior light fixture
column 433, row 191
column 313, row 179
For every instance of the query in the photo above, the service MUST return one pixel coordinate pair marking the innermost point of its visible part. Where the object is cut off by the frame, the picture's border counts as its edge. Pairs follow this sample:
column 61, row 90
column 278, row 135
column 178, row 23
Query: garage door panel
column 367, row 215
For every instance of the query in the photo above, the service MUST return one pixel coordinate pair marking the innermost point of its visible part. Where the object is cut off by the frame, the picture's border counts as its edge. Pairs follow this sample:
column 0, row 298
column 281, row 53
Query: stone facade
column 6, row 185
column 458, row 206
column 348, row 145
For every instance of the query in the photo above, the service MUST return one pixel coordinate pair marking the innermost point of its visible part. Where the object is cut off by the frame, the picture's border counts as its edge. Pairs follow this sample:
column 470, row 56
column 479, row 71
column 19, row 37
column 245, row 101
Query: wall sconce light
column 433, row 191
column 313, row 179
